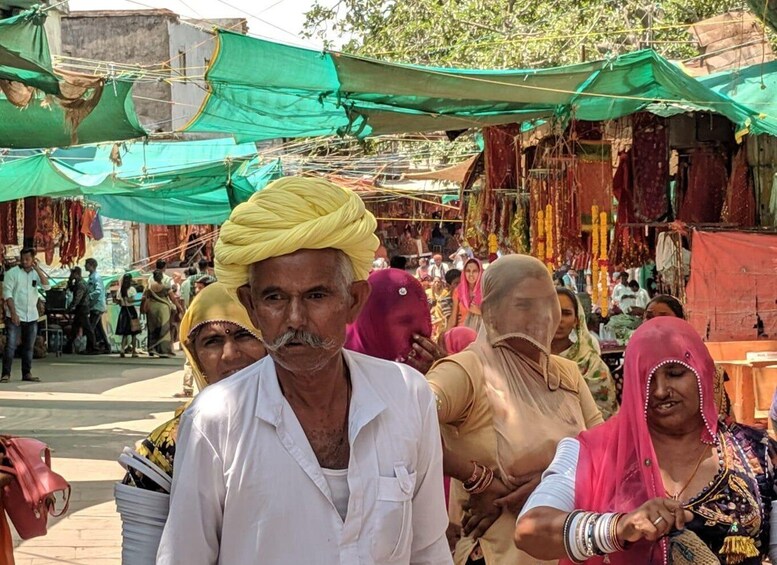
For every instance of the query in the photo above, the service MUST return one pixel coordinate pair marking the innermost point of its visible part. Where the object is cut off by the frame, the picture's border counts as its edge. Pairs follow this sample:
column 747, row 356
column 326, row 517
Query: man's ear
column 359, row 292
column 246, row 299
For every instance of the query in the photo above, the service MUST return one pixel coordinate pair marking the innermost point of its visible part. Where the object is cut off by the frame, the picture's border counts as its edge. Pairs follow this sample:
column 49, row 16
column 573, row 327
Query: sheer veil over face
column 520, row 312
column 519, row 303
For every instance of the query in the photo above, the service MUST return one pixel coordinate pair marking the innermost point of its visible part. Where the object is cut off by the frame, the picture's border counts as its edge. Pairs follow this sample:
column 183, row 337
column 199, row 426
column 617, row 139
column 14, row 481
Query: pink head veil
column 457, row 339
column 396, row 309
column 463, row 291
column 617, row 469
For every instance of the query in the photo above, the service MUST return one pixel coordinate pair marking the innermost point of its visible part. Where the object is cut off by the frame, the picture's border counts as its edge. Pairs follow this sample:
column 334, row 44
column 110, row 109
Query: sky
column 278, row 20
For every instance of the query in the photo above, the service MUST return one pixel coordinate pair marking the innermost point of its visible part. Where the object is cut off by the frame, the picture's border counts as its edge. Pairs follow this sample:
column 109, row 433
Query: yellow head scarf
column 215, row 303
column 295, row 213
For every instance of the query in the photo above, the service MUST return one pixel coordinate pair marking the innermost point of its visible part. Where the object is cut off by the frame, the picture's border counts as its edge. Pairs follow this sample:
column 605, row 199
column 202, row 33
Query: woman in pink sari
column 663, row 481
column 468, row 297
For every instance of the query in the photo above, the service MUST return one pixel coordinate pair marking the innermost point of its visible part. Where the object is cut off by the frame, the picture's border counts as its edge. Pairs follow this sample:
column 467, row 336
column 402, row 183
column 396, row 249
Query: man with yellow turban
column 314, row 455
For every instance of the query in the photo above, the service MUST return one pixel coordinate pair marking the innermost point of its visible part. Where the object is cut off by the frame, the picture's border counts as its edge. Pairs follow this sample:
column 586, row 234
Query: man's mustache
column 301, row 337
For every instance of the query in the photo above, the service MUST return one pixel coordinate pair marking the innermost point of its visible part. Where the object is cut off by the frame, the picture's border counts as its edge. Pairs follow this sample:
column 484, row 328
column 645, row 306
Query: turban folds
column 291, row 214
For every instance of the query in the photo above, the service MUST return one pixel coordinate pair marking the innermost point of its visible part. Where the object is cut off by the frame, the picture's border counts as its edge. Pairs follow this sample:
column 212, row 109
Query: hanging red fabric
column 9, row 233
column 707, row 179
column 650, row 152
column 740, row 207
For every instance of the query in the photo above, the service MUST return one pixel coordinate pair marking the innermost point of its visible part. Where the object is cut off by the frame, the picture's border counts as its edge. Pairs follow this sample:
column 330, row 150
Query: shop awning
column 264, row 90
column 156, row 183
column 753, row 86
column 24, row 51
column 43, row 122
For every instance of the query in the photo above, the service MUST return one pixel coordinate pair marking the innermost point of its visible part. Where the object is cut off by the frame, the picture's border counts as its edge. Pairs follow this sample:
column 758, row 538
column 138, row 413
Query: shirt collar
column 366, row 403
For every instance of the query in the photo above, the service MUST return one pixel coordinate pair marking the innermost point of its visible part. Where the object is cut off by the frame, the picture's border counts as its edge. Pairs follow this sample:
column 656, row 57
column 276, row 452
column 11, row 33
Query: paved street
column 87, row 409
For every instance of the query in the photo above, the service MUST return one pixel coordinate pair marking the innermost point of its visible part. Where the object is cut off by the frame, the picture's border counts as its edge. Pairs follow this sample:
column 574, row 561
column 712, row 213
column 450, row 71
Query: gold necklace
column 676, row 495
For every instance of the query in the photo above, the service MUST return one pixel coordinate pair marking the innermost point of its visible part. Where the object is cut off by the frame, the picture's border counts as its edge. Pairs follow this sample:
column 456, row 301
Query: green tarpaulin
column 754, row 86
column 182, row 206
column 264, row 90
column 157, row 183
column 43, row 124
column 24, row 52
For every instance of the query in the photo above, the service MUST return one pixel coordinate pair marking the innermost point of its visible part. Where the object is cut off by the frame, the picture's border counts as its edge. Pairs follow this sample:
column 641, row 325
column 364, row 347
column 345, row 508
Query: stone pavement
column 87, row 409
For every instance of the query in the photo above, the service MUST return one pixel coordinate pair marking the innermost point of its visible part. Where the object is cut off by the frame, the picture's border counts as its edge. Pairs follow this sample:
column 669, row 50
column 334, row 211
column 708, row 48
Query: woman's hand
column 481, row 511
column 653, row 520
column 514, row 501
column 425, row 352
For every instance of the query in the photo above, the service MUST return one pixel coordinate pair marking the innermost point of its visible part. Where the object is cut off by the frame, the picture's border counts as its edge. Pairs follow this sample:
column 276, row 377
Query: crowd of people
column 349, row 415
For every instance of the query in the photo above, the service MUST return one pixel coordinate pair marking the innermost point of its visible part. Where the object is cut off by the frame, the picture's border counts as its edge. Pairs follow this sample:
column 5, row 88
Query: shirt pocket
column 392, row 535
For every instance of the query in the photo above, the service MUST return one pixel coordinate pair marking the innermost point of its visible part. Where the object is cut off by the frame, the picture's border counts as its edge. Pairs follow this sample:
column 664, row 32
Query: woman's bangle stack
column 481, row 479
column 588, row 534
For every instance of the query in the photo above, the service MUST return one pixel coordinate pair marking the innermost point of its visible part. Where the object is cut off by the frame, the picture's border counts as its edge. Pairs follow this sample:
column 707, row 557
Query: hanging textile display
column 629, row 245
column 502, row 157
column 552, row 181
column 593, row 176
column 706, row 191
column 474, row 225
column 502, row 152
column 518, row 239
column 44, row 232
column 30, row 224
column 650, row 170
column 97, row 227
column 73, row 242
column 739, row 207
column 9, row 234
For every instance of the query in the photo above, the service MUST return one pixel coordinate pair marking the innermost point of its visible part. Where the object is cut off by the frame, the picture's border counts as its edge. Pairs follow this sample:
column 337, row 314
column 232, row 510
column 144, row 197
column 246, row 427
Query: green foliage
column 510, row 33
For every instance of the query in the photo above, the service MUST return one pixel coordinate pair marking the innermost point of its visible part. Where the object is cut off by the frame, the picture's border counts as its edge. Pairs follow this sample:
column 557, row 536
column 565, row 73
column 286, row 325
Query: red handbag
column 29, row 499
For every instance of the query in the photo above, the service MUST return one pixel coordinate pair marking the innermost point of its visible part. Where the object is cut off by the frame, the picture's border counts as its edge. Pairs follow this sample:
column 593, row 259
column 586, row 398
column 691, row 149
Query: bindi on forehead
column 217, row 328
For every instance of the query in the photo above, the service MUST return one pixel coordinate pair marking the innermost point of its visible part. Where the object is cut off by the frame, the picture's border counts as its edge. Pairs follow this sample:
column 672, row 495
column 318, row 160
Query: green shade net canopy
column 754, row 86
column 156, row 183
column 43, row 123
column 263, row 90
column 24, row 51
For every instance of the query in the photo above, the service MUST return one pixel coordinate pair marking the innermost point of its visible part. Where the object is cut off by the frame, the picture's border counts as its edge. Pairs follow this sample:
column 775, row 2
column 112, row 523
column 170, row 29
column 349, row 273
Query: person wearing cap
column 314, row 454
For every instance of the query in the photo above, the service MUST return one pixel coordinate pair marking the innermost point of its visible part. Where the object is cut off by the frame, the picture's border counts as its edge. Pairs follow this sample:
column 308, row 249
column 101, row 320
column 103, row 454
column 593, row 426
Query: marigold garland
column 595, row 254
column 549, row 238
column 541, row 235
column 604, row 266
column 493, row 243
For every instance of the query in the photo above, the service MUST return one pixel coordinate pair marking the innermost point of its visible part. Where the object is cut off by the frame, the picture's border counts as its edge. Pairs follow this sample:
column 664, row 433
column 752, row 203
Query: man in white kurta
column 314, row 455
column 250, row 489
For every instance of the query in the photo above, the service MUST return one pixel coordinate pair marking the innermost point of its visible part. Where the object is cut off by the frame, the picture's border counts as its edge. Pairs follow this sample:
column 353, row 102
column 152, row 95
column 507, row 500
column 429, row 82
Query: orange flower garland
column 595, row 254
column 604, row 270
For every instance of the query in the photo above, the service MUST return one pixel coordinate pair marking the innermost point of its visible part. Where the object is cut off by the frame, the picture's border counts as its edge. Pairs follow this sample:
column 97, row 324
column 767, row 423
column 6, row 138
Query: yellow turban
column 295, row 213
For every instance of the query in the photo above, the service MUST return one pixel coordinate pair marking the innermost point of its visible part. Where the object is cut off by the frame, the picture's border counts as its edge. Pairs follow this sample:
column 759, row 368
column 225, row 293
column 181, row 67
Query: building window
column 182, row 64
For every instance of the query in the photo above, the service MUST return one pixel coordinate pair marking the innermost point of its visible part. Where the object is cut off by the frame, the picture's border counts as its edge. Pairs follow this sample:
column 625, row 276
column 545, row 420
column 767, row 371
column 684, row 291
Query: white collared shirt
column 438, row 271
column 18, row 285
column 248, row 488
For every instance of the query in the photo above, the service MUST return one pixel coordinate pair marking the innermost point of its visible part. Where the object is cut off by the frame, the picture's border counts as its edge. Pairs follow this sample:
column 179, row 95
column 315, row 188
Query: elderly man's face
column 302, row 293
